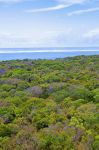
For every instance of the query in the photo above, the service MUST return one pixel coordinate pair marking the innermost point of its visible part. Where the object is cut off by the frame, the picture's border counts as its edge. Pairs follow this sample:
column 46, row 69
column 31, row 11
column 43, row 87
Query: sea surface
column 45, row 53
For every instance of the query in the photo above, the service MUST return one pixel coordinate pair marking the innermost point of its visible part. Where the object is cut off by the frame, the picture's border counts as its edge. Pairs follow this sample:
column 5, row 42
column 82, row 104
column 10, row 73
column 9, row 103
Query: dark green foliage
column 5, row 130
column 50, row 104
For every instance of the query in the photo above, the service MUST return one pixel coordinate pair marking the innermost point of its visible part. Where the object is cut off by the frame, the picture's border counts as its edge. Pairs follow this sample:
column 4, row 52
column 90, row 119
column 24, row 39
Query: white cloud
column 44, row 38
column 92, row 33
column 71, row 1
column 58, row 7
column 78, row 12
column 14, row 39
column 61, row 5
column 60, row 1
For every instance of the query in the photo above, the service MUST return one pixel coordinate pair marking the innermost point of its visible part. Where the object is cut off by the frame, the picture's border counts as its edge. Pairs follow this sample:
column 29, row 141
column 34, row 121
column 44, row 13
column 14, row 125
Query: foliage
column 50, row 104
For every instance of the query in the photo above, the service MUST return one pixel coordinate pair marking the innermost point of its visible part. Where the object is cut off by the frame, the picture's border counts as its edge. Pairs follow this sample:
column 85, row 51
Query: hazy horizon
column 48, row 49
column 45, row 53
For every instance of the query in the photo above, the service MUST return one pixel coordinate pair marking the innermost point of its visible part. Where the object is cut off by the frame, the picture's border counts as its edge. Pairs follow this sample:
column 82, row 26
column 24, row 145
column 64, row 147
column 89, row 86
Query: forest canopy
column 50, row 104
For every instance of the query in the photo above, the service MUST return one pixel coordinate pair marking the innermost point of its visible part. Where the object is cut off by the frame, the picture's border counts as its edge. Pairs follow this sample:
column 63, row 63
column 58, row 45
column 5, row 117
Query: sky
column 49, row 23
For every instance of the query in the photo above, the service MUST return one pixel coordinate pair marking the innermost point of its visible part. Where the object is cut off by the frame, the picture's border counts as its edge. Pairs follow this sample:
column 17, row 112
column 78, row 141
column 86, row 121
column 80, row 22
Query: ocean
column 45, row 53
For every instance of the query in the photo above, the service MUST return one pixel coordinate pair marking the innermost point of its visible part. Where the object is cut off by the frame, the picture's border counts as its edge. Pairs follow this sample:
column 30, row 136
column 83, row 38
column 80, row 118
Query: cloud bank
column 92, row 33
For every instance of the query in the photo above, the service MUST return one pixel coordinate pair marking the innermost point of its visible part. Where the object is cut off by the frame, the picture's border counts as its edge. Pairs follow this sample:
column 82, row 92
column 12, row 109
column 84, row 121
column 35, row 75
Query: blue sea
column 46, row 53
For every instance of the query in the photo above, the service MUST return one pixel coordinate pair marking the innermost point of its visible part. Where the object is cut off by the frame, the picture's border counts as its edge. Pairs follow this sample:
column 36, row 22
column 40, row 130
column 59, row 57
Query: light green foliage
column 50, row 104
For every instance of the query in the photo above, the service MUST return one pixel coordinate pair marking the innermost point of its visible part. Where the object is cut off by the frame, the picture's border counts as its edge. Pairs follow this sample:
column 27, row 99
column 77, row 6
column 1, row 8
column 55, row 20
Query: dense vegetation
column 50, row 104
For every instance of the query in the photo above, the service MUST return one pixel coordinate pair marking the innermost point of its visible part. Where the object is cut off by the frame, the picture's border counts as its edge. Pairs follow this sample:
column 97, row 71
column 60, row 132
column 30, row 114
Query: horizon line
column 47, row 51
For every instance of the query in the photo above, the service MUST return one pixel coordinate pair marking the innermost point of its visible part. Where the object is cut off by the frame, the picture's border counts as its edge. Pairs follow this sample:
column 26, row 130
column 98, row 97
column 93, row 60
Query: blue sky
column 36, row 23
